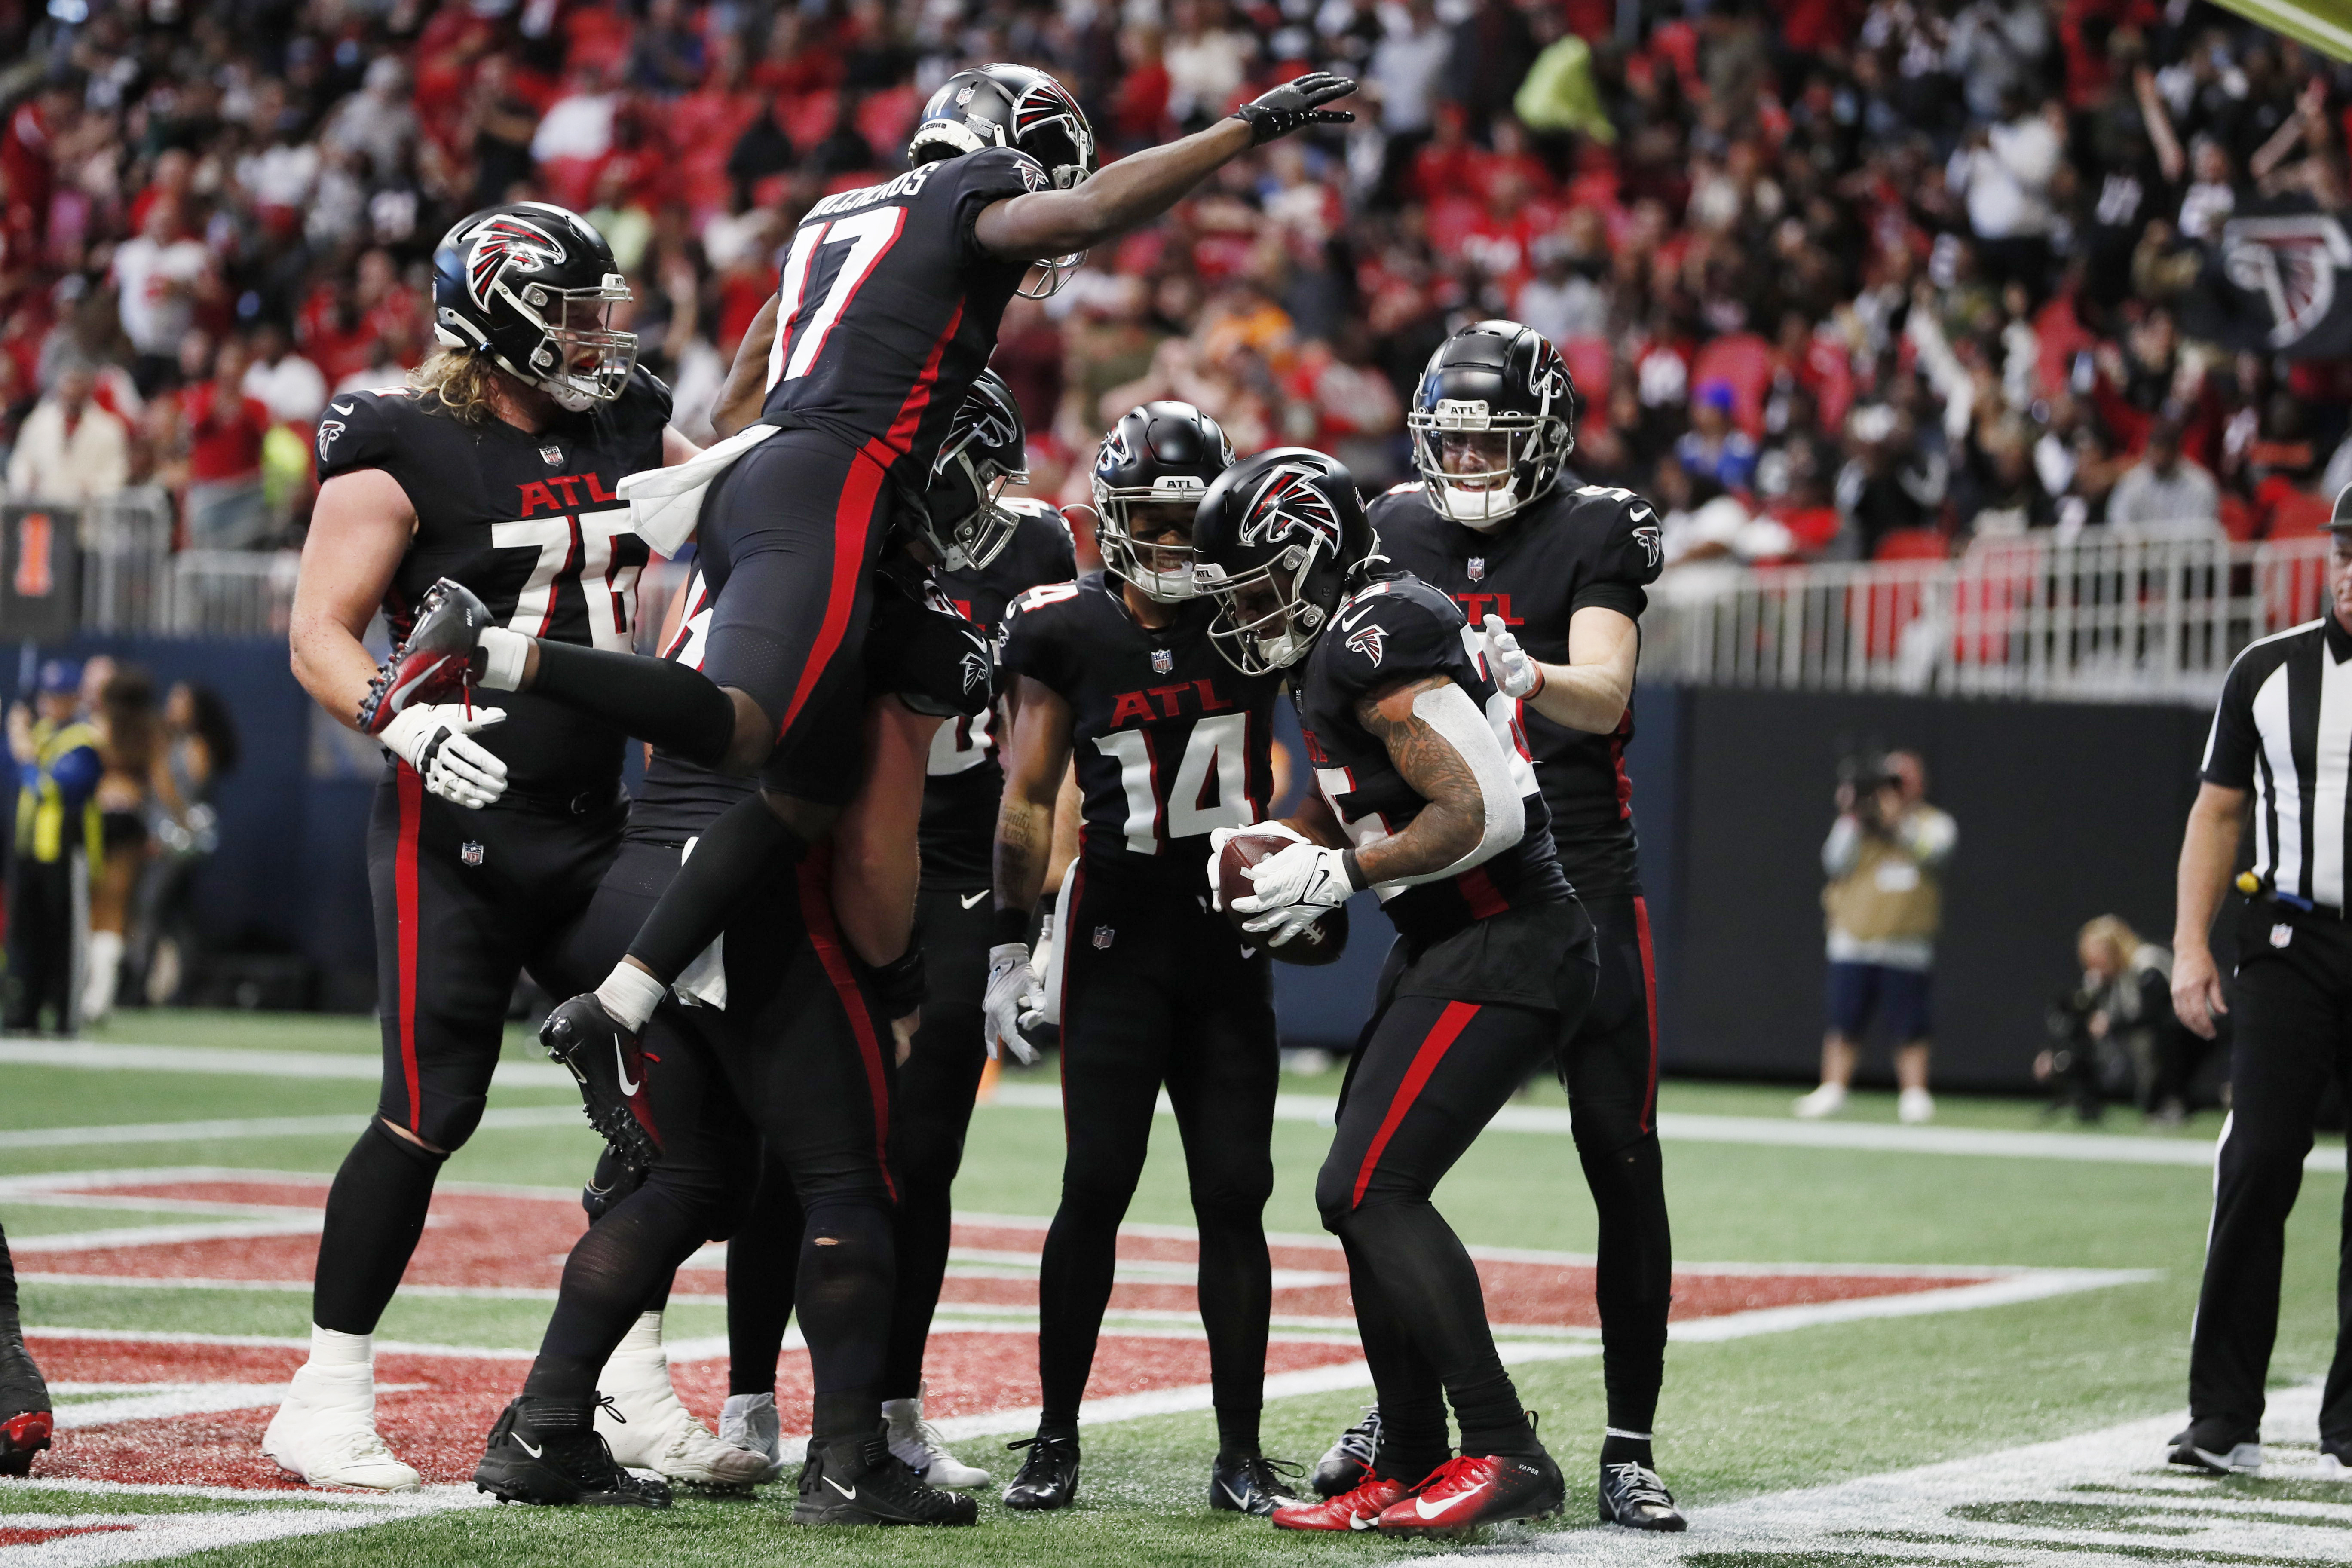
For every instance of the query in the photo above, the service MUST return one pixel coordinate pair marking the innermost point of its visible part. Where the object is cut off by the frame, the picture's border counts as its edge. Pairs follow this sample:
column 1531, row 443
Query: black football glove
column 1293, row 104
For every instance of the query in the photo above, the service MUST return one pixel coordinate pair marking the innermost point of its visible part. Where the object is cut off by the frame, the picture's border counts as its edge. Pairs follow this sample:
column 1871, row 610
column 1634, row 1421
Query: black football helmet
column 1158, row 453
column 1011, row 106
column 1502, row 378
column 533, row 286
column 1276, row 541
column 987, row 447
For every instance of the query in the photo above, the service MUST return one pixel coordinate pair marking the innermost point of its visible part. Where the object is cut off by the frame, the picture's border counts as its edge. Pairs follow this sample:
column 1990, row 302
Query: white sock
column 630, row 995
column 644, row 1338
column 331, row 1348
column 503, row 653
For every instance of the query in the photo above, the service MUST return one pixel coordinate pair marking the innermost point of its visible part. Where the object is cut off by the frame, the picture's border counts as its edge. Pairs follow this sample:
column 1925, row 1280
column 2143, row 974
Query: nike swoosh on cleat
column 621, row 1064
column 1420, row 1504
column 974, row 900
column 1363, row 1521
column 525, row 1445
column 1239, row 1501
column 849, row 1492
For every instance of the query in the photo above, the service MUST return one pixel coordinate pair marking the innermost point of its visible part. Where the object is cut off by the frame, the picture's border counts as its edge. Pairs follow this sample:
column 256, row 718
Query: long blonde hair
column 2118, row 937
column 461, row 380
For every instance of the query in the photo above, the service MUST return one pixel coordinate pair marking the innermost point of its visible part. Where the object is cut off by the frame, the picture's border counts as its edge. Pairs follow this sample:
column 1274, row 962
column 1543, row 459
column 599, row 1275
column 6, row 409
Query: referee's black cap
column 2341, row 518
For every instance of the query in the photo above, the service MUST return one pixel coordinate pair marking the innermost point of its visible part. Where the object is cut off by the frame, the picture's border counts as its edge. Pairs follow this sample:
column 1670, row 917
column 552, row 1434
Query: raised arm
column 1139, row 187
column 2161, row 136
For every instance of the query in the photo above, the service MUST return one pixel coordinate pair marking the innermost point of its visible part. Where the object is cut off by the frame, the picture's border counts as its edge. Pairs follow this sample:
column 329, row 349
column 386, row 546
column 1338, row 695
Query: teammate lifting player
column 887, row 306
column 1551, row 576
column 1424, row 794
column 1171, row 743
column 491, row 826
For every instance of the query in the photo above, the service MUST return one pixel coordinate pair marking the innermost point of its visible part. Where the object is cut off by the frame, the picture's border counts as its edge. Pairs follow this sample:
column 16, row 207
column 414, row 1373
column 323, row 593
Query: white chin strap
column 568, row 397
column 1167, row 588
column 1483, row 510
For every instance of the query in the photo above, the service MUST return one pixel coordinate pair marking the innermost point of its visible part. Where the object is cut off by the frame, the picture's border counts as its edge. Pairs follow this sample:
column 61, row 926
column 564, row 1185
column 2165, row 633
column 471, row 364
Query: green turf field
column 1743, row 1417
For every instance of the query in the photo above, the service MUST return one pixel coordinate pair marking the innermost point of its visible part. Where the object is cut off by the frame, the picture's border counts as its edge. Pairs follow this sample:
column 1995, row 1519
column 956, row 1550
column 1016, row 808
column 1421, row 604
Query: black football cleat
column 1255, row 1485
column 434, row 662
column 1633, row 1495
column 860, row 1481
column 2215, row 1449
column 614, row 1181
column 1049, row 1476
column 1348, row 1461
column 24, row 1419
column 603, row 1059
column 546, row 1451
column 1477, row 1488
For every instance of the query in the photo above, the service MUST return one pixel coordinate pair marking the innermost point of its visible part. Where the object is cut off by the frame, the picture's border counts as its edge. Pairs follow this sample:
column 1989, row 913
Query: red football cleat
column 433, row 663
column 1358, row 1509
column 1475, row 1489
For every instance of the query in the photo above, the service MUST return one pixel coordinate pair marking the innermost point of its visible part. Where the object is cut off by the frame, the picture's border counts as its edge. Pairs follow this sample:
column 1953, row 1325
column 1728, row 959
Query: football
column 1321, row 942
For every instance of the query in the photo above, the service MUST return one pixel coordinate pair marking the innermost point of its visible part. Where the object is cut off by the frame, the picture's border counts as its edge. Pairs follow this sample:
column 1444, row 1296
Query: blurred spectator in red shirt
column 220, row 430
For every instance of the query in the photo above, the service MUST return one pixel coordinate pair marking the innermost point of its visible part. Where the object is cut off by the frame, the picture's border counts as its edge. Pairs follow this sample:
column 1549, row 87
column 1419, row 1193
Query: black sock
column 1073, row 1289
column 1237, row 1435
column 8, row 1321
column 376, row 1212
column 1635, row 1278
column 746, row 846
column 1237, row 1292
column 1412, row 1401
column 1619, row 1449
column 843, row 1292
column 1486, row 1407
column 672, row 705
column 1429, row 1284
column 615, row 1273
column 762, row 1258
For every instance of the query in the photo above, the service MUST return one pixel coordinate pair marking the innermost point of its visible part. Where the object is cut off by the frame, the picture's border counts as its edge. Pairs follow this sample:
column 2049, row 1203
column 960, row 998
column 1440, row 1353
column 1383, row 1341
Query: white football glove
column 1013, row 1001
column 1294, row 890
column 1518, row 676
column 1221, row 836
column 436, row 739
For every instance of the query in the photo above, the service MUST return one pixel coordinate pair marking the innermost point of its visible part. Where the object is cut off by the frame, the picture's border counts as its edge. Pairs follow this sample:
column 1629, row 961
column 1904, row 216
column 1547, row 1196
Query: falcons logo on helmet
column 1116, row 453
column 990, row 423
column 1041, row 105
column 1290, row 504
column 502, row 241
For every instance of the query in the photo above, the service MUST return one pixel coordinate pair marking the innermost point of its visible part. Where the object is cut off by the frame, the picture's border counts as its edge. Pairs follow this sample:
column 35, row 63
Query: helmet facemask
column 979, row 534
column 582, row 360
column 1528, row 451
column 1027, row 109
column 1264, row 621
column 1165, row 572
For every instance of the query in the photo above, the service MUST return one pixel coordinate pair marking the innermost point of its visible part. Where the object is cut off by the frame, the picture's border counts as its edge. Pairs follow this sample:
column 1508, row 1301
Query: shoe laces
column 1267, row 1474
column 1362, row 1440
column 1637, row 1483
column 1460, row 1473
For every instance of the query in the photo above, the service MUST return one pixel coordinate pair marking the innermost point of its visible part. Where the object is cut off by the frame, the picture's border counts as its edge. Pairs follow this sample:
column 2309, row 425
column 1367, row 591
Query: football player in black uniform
column 1551, row 576
column 887, row 306
column 1425, row 795
column 1171, row 743
column 991, row 548
column 491, row 826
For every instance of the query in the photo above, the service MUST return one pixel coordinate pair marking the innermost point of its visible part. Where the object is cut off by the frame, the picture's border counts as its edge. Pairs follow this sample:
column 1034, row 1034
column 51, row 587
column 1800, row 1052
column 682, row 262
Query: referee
column 2283, row 737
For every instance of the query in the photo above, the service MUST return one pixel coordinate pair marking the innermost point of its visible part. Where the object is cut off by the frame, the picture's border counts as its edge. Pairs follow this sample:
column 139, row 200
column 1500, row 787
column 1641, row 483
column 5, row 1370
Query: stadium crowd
column 1835, row 277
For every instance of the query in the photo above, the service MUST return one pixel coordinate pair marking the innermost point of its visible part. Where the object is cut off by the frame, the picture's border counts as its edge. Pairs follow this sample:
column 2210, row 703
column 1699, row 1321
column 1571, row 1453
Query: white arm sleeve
column 1448, row 710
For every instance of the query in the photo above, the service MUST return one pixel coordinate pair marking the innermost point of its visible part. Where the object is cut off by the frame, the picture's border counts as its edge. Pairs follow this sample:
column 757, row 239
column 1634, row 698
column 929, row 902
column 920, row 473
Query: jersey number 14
column 1210, row 788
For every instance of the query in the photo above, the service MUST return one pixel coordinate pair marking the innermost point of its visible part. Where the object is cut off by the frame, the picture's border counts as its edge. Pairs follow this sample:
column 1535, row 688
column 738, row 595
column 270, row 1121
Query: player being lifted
column 1551, row 576
column 991, row 548
column 1426, row 797
column 491, row 826
column 887, row 306
column 1170, row 742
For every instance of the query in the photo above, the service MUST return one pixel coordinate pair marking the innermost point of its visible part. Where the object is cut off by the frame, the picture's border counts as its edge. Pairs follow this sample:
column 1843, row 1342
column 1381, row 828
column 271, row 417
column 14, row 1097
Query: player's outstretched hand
column 436, row 739
column 1012, row 996
column 1295, row 104
column 1517, row 675
column 1294, row 888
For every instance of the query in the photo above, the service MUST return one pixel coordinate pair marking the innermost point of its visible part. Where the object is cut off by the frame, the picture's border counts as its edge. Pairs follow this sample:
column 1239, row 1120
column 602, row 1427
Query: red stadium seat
column 809, row 119
column 886, row 119
column 2297, row 515
column 1590, row 364
column 1911, row 544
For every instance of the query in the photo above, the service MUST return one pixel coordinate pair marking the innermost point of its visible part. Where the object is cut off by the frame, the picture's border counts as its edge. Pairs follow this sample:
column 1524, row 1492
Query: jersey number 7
column 868, row 234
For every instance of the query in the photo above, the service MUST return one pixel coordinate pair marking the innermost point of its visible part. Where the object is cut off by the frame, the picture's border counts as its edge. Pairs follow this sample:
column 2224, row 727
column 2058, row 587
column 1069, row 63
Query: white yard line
column 344, row 1125
column 103, row 1057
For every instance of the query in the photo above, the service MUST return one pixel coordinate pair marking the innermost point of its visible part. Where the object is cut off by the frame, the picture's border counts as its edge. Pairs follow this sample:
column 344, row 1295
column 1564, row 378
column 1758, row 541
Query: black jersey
column 888, row 308
column 917, row 644
column 1171, row 740
column 966, row 783
column 1395, row 629
column 532, row 525
column 1573, row 548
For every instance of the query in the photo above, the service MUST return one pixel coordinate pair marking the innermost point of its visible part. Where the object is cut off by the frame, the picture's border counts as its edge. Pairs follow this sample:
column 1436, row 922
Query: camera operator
column 2116, row 1037
column 2280, row 750
column 1885, row 859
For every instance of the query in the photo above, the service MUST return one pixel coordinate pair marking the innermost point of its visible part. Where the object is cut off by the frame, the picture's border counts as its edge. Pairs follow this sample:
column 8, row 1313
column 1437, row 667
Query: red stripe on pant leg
column 411, row 787
column 816, row 913
column 861, row 488
column 1077, row 868
column 1441, row 1035
column 1649, row 1005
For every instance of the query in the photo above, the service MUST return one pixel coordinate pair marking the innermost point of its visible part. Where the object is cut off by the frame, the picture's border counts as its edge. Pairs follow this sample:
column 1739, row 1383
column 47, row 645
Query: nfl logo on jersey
column 551, row 456
column 1477, row 567
column 1103, row 937
column 470, row 852
column 1163, row 661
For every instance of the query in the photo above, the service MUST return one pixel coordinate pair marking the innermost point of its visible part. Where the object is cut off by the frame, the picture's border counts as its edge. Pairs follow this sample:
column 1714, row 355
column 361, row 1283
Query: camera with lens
column 2084, row 1071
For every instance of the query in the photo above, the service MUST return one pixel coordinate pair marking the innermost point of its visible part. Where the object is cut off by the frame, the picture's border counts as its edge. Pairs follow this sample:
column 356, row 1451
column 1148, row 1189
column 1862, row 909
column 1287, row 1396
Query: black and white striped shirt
column 2283, row 729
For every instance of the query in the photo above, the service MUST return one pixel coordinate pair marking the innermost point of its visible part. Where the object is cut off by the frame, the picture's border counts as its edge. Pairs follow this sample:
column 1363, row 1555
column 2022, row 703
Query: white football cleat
column 1913, row 1106
column 325, row 1432
column 2332, row 1469
column 1826, row 1100
column 647, row 1427
column 917, row 1443
column 748, row 1422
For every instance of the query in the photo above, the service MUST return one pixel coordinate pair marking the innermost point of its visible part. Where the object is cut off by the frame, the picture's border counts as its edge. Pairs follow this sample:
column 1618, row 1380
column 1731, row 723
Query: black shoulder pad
column 361, row 430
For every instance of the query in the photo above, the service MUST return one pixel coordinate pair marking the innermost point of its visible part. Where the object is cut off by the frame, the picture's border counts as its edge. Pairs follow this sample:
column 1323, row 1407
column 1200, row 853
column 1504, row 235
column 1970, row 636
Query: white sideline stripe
column 47, row 1182
column 1877, row 1138
column 176, row 1399
column 239, row 1129
column 114, row 1057
column 165, row 1235
column 425, row 1499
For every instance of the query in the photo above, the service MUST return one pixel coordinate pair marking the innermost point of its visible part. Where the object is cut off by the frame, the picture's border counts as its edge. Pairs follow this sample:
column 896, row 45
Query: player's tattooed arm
column 1316, row 822
column 1035, row 758
column 1451, row 756
column 747, row 380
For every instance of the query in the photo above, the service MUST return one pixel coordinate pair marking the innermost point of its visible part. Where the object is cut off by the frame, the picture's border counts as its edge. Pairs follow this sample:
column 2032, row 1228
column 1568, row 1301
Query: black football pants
column 2292, row 1003
column 1610, row 1069
column 1156, row 992
column 43, row 933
